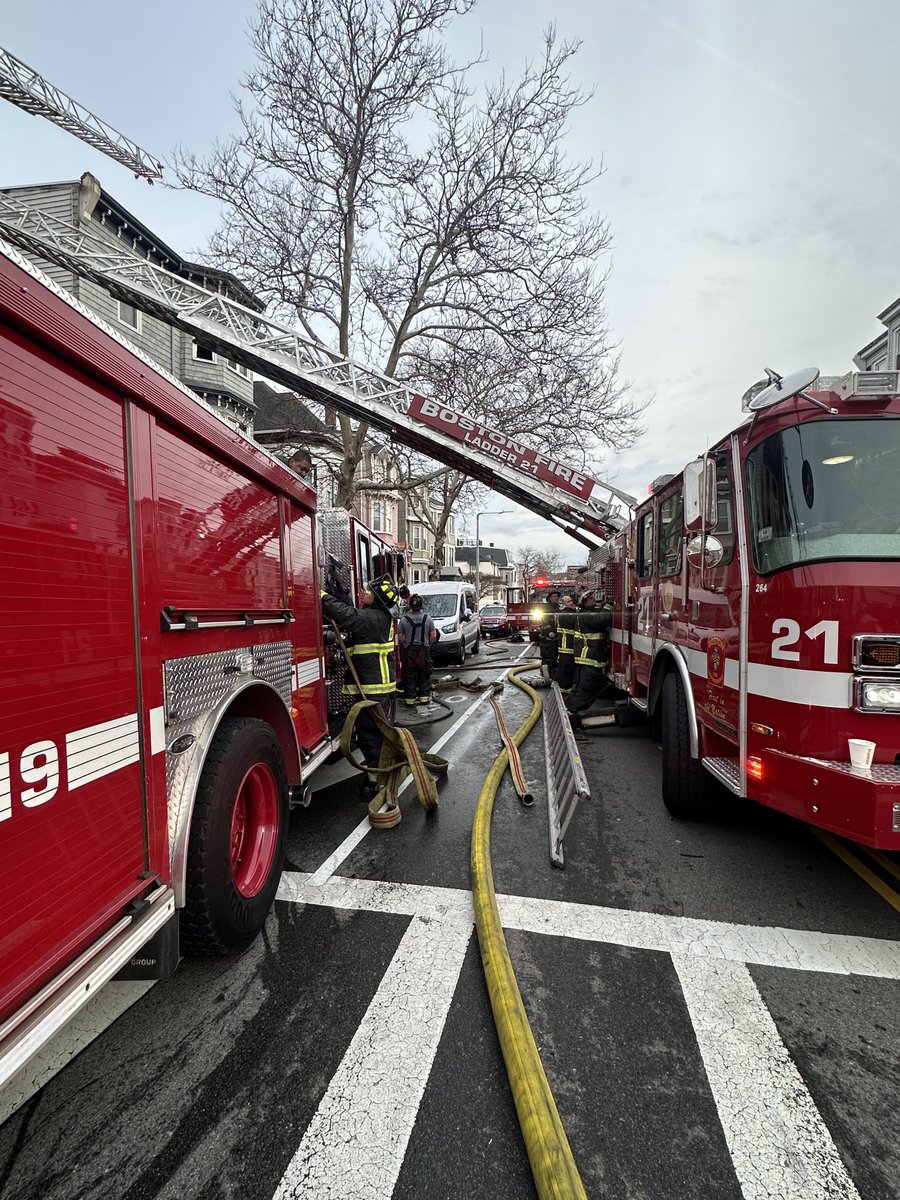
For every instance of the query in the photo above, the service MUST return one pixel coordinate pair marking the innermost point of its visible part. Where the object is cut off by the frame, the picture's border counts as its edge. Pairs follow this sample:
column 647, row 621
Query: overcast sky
column 752, row 173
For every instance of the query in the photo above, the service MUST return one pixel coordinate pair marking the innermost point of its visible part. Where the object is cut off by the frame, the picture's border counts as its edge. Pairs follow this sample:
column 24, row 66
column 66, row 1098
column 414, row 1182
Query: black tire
column 476, row 645
column 461, row 652
column 687, row 788
column 217, row 918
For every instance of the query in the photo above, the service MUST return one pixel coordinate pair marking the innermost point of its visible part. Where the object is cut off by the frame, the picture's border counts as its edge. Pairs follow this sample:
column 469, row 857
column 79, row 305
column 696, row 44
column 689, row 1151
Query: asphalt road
column 716, row 1007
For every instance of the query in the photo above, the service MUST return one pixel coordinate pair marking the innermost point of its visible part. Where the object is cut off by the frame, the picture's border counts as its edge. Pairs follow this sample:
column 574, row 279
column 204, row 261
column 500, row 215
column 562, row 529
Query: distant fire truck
column 757, row 609
column 526, row 614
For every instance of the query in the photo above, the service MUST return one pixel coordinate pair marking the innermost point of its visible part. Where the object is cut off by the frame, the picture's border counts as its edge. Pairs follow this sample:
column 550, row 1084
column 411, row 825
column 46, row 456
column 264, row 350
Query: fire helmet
column 415, row 603
column 385, row 591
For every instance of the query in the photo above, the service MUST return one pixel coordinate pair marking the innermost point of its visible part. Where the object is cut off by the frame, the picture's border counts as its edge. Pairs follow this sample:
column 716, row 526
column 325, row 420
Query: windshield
column 826, row 489
column 493, row 610
column 441, row 605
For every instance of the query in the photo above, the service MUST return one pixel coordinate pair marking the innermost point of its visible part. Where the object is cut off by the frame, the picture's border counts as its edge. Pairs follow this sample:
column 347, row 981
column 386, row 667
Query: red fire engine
column 756, row 610
column 165, row 687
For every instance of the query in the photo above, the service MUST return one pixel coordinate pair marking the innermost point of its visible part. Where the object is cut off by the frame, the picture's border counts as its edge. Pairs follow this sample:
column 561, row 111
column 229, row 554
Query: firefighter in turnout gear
column 547, row 635
column 566, row 626
column 371, row 647
column 591, row 657
column 416, row 632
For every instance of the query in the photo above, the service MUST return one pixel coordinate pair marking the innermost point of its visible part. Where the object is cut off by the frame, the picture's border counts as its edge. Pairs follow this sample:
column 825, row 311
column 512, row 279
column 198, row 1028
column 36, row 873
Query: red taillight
column 754, row 768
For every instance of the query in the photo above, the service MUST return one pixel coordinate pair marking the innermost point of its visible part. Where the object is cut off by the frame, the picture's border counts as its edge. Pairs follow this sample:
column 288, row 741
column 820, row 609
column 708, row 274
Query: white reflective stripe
column 93, row 735
column 820, row 689
column 157, row 729
column 641, row 643
column 307, row 672
column 99, row 750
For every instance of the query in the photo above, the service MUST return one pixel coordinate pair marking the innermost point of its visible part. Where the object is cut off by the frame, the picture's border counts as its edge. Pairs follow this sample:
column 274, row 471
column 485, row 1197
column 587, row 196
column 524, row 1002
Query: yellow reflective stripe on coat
column 384, row 652
column 584, row 654
column 370, row 689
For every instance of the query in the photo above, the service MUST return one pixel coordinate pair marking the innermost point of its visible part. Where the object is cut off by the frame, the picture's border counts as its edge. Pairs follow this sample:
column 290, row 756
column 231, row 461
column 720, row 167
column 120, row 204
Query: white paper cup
column 861, row 753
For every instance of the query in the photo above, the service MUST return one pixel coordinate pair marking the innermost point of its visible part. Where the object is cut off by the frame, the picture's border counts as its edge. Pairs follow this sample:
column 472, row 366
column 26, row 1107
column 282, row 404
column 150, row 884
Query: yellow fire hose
column 551, row 1158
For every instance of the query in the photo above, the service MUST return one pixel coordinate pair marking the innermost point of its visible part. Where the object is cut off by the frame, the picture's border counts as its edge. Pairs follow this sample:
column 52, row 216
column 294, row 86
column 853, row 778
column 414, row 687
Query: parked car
column 494, row 621
column 452, row 608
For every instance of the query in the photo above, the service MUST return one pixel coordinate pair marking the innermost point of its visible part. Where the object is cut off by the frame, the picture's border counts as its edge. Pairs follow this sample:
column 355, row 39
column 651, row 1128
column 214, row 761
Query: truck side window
column 724, row 530
column 645, row 545
column 365, row 562
column 671, row 529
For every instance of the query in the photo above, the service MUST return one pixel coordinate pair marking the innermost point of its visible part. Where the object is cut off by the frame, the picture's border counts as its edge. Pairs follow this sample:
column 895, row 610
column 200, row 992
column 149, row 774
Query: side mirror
column 708, row 556
column 700, row 511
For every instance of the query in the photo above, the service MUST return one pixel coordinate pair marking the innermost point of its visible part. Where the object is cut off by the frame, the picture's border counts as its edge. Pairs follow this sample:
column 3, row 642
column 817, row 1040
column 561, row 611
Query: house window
column 376, row 515
column 417, row 538
column 129, row 315
column 202, row 353
column 417, row 575
column 238, row 368
column 388, row 519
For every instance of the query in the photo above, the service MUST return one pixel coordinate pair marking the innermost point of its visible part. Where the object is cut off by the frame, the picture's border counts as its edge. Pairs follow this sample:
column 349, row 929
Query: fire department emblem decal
column 715, row 661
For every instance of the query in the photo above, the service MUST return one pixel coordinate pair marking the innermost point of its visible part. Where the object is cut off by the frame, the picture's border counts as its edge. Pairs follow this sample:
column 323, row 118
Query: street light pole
column 498, row 512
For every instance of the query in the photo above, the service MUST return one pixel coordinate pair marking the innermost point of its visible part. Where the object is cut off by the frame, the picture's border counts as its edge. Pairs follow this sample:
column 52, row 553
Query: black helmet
column 415, row 603
column 385, row 591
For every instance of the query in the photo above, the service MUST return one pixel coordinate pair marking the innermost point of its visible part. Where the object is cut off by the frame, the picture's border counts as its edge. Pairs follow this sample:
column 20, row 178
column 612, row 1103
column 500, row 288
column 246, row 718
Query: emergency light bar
column 869, row 385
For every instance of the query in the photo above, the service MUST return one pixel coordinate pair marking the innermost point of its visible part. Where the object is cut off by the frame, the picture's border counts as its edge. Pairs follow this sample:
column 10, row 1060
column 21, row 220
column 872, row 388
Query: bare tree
column 548, row 562
column 373, row 195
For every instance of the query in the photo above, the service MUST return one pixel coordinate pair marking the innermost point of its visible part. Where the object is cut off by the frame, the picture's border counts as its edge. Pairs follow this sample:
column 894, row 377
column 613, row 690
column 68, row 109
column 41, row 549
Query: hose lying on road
column 549, row 1153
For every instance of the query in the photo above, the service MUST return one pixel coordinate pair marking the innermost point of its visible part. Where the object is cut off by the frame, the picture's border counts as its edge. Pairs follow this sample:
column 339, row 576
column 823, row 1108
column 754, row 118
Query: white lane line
column 95, row 1018
column 324, row 872
column 354, row 1146
column 779, row 1144
column 792, row 949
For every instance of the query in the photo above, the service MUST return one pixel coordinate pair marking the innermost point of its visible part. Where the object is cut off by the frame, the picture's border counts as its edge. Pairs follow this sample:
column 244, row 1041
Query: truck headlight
column 536, row 614
column 451, row 628
column 878, row 695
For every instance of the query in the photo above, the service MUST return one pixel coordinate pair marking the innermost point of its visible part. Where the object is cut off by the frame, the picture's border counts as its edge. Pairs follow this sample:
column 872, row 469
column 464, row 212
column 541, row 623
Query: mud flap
column 156, row 959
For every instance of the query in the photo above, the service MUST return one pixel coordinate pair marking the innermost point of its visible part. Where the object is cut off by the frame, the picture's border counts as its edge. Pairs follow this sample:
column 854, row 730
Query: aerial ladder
column 584, row 508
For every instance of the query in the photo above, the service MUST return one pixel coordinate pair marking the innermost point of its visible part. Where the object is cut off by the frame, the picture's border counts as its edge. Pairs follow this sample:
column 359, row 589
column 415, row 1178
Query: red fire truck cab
column 164, row 691
column 757, row 599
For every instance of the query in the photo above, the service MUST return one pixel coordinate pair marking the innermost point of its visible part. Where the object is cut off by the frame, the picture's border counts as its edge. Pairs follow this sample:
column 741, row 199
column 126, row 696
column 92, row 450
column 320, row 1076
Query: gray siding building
column 883, row 352
column 84, row 204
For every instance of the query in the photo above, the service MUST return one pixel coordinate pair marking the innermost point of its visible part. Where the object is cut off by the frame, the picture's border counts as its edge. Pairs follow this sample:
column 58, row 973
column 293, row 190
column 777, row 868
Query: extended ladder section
column 22, row 86
column 584, row 508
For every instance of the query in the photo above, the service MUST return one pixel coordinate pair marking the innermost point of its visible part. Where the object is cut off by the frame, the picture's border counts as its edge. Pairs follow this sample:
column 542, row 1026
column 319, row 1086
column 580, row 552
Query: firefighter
column 591, row 657
column 547, row 641
column 566, row 626
column 301, row 462
column 416, row 632
column 371, row 647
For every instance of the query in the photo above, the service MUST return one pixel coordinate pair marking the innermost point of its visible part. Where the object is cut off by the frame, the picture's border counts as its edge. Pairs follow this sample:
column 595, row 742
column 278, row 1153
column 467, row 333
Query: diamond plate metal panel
column 272, row 664
column 195, row 685
column 334, row 533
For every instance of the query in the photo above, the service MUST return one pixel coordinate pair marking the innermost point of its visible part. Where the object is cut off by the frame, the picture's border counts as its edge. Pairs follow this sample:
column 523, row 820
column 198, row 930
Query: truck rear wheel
column 687, row 789
column 236, row 844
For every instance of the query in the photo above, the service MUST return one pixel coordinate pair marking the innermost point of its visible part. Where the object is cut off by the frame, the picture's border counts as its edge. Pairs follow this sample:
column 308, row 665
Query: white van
column 451, row 606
